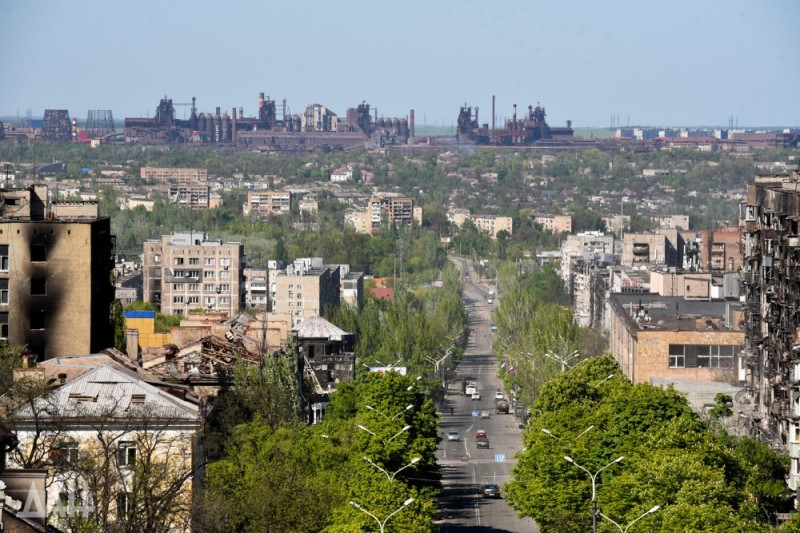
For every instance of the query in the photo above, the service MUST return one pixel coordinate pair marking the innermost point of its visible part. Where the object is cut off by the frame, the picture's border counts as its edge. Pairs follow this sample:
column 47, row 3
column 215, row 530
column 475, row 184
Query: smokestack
column 233, row 125
column 261, row 102
column 411, row 127
column 493, row 113
column 514, row 118
column 476, row 116
column 376, row 114
column 241, row 113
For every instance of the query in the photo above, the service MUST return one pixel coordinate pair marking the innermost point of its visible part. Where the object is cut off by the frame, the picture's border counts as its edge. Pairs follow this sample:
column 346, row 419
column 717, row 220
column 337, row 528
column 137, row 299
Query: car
column 480, row 434
column 482, row 443
column 489, row 301
column 491, row 490
column 493, row 327
column 485, row 414
column 498, row 395
column 453, row 436
column 476, row 395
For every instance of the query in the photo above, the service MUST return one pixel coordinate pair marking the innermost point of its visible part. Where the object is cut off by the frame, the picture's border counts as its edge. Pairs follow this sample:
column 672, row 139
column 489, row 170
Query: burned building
column 523, row 131
column 56, row 125
column 770, row 275
column 56, row 261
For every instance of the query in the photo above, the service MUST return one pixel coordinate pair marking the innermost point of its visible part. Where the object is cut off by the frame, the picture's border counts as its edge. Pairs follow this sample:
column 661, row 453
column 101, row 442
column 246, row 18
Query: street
column 464, row 466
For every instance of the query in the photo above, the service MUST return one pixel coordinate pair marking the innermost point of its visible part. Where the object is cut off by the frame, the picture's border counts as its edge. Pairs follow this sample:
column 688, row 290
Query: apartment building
column 671, row 337
column 306, row 291
column 770, row 222
column 555, row 223
column 175, row 175
column 186, row 271
column 385, row 210
column 664, row 247
column 256, row 288
column 586, row 246
column 493, row 225
column 191, row 195
column 268, row 203
column 56, row 264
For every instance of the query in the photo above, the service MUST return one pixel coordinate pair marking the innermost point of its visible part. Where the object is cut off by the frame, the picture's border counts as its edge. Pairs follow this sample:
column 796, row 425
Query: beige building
column 493, row 224
column 267, row 203
column 663, row 248
column 360, row 220
column 391, row 210
column 191, row 195
column 653, row 336
column 306, row 292
column 256, row 287
column 555, row 223
column 56, row 265
column 587, row 246
column 175, row 175
column 186, row 271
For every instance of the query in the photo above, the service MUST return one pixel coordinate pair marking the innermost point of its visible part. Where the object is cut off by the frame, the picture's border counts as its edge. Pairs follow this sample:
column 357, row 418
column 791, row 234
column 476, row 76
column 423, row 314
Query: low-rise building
column 262, row 203
column 555, row 223
column 191, row 195
column 175, row 175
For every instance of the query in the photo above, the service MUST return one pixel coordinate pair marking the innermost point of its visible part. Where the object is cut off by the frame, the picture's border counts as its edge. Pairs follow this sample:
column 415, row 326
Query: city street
column 464, row 466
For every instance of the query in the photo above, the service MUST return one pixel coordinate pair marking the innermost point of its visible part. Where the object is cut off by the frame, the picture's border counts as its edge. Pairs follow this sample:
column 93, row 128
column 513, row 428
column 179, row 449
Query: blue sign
column 500, row 457
column 476, row 413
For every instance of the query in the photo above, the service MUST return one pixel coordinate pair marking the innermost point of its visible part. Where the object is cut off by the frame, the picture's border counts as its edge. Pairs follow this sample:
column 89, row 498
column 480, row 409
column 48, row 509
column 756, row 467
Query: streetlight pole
column 594, row 485
column 563, row 360
column 382, row 525
column 653, row 510
column 414, row 461
column 407, row 408
column 385, row 442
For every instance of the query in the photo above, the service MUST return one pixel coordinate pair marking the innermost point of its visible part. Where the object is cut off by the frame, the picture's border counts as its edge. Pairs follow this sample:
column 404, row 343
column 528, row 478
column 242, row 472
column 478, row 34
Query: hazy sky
column 664, row 63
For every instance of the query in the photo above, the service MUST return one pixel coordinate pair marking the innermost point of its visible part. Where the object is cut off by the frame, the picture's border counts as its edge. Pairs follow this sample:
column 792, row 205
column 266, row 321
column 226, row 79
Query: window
column 38, row 286
column 3, row 292
column 194, row 300
column 193, row 274
column 210, row 261
column 208, row 287
column 225, row 262
column 157, row 258
column 177, row 299
column 178, row 274
column 224, row 275
column 37, row 319
column 677, row 358
column 194, row 260
column 225, row 287
column 177, row 261
column 126, row 454
column 3, row 325
column 299, row 296
column 4, row 257
column 715, row 356
column 291, row 304
column 194, row 287
column 210, row 301
column 124, row 504
column 209, row 274
column 224, row 300
column 66, row 454
column 178, row 286
column 38, row 253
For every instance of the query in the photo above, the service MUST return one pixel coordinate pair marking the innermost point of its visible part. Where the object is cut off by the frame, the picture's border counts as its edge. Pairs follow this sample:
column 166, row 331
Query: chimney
column 411, row 127
column 493, row 113
column 62, row 378
column 132, row 344
column 514, row 118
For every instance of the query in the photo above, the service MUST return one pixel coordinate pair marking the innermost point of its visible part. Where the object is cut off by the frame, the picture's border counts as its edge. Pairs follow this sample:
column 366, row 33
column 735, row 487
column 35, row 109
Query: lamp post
column 625, row 530
column 581, row 434
column 594, row 485
column 563, row 360
column 382, row 525
column 414, row 461
column 385, row 442
column 407, row 408
column 604, row 380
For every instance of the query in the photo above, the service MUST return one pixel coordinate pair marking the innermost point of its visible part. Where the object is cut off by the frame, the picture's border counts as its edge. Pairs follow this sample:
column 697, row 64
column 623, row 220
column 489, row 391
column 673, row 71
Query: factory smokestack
column 233, row 126
column 514, row 118
column 411, row 139
column 493, row 115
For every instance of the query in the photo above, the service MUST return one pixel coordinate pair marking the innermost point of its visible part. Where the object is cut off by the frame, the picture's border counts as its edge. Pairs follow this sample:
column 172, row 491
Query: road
column 464, row 467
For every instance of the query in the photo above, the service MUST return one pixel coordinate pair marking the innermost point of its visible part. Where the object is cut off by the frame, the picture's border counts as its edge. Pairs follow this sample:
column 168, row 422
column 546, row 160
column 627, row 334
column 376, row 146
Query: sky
column 645, row 63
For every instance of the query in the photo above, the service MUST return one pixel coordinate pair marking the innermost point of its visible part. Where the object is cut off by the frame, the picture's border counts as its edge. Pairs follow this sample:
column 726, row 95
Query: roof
column 675, row 312
column 111, row 391
column 316, row 327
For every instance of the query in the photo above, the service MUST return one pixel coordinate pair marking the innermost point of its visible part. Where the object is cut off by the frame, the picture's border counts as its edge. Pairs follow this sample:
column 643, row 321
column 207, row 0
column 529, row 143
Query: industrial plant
column 525, row 131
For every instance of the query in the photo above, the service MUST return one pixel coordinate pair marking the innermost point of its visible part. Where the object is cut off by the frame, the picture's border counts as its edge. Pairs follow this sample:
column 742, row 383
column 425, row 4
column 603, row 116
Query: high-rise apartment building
column 175, row 175
column 56, row 261
column 186, row 271
column 267, row 203
column 306, row 291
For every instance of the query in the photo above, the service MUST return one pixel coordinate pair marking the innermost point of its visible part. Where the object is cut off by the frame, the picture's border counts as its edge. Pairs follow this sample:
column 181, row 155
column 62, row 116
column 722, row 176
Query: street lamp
column 563, row 360
column 594, row 485
column 653, row 510
column 408, row 408
column 414, row 461
column 604, row 380
column 385, row 442
column 382, row 525
column 581, row 434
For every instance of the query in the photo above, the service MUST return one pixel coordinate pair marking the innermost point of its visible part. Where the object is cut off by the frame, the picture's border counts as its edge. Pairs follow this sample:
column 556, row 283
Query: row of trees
column 702, row 478
column 375, row 448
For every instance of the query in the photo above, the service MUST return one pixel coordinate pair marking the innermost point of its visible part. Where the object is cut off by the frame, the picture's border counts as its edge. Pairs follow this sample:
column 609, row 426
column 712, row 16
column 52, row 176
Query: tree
column 118, row 323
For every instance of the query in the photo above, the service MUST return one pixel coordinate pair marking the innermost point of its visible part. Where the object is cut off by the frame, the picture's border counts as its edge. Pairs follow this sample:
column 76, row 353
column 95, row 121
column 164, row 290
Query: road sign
column 499, row 457
column 476, row 413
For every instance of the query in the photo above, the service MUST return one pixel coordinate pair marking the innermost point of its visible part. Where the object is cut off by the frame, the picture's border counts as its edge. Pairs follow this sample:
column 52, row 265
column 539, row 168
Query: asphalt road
column 465, row 467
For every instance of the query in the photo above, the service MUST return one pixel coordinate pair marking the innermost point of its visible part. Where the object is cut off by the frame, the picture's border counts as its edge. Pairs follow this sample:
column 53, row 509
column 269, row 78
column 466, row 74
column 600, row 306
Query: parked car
column 491, row 490
column 481, row 434
column 498, row 395
column 482, row 443
column 453, row 435
column 485, row 414
column 476, row 396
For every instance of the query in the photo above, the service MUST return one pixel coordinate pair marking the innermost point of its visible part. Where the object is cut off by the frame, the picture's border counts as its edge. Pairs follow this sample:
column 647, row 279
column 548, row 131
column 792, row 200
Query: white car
column 486, row 414
column 498, row 395
column 476, row 396
column 453, row 436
